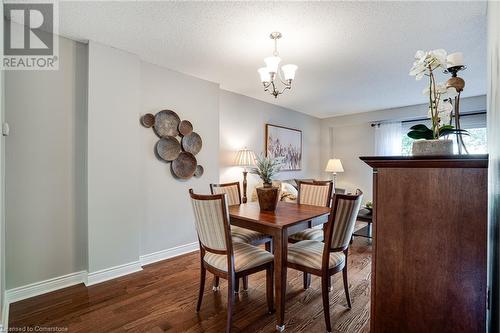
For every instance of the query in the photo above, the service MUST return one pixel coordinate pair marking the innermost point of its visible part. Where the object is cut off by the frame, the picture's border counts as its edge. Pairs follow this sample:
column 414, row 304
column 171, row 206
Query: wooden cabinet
column 430, row 238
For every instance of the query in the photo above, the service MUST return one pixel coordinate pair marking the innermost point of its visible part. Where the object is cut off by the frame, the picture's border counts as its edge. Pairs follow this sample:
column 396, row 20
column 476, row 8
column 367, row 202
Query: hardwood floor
column 162, row 298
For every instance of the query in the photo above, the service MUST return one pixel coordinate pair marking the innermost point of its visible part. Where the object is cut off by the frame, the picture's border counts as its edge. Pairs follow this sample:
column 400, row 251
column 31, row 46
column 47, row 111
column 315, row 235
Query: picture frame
column 286, row 143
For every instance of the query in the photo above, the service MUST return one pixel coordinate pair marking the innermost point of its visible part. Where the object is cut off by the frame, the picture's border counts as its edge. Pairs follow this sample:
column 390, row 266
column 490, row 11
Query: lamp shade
column 244, row 158
column 334, row 165
column 289, row 71
column 272, row 64
column 264, row 74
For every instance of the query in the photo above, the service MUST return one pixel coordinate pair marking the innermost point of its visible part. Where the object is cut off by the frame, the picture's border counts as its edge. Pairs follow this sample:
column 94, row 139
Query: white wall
column 43, row 224
column 169, row 219
column 351, row 136
column 115, row 199
column 136, row 207
column 242, row 124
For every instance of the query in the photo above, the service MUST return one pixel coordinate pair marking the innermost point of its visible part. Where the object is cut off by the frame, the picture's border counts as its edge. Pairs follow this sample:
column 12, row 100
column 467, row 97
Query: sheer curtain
column 388, row 139
column 494, row 162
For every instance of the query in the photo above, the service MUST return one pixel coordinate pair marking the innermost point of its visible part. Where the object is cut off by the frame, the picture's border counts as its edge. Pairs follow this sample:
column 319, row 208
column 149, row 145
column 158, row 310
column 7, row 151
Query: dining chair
column 324, row 259
column 223, row 257
column 316, row 193
column 239, row 234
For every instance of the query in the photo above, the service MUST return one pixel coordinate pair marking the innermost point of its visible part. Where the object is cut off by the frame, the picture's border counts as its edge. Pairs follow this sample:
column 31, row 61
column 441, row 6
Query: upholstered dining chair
column 324, row 259
column 223, row 257
column 317, row 193
column 239, row 234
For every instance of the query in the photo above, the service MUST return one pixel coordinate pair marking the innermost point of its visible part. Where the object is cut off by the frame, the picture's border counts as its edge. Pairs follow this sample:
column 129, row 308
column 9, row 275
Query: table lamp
column 334, row 165
column 245, row 158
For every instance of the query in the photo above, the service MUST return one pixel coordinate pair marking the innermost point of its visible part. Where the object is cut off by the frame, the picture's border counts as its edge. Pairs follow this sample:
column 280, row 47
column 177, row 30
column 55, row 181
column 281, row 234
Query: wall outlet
column 5, row 129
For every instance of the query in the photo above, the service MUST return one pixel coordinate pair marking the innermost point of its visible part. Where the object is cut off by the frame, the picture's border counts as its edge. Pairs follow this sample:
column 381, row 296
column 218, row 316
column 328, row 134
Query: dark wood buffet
column 430, row 244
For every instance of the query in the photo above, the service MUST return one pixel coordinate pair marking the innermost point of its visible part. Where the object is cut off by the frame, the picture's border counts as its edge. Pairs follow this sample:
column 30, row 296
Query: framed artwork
column 286, row 143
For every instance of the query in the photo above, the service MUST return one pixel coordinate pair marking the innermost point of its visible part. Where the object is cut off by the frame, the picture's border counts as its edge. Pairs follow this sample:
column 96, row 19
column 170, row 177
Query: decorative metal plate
column 184, row 166
column 192, row 143
column 185, row 127
column 166, row 123
column 168, row 148
column 148, row 120
column 199, row 171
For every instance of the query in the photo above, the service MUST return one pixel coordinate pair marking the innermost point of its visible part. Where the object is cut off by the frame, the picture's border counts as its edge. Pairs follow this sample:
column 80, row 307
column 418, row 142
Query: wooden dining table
column 287, row 219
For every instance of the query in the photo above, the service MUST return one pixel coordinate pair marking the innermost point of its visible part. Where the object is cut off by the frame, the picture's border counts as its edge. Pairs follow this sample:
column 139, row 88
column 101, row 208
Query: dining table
column 287, row 219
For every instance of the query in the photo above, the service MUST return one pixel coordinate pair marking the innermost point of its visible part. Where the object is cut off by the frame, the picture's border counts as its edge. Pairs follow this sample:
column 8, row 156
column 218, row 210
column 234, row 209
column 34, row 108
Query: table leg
column 280, row 255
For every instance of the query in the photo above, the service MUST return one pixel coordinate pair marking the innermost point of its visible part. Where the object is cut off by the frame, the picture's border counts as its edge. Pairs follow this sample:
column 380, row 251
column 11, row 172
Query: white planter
column 432, row 147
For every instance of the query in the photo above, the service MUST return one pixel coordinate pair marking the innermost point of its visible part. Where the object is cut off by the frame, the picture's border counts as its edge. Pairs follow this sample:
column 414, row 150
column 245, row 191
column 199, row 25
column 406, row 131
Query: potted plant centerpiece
column 434, row 140
column 268, row 195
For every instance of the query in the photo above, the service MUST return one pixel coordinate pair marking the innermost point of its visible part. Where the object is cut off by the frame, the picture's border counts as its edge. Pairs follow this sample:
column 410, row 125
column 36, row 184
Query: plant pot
column 268, row 197
column 432, row 147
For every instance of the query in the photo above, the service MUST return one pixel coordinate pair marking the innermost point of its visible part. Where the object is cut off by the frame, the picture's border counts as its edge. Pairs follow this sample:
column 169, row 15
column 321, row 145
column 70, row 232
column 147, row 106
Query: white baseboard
column 42, row 287
column 168, row 253
column 4, row 324
column 113, row 272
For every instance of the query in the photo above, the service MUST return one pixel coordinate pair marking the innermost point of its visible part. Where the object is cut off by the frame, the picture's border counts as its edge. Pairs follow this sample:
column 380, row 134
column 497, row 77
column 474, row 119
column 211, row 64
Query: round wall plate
column 185, row 127
column 192, row 143
column 148, row 120
column 184, row 166
column 168, row 148
column 166, row 123
column 199, row 171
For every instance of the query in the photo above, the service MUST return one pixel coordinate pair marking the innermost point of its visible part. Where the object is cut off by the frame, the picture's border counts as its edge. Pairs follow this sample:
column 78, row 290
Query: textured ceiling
column 352, row 56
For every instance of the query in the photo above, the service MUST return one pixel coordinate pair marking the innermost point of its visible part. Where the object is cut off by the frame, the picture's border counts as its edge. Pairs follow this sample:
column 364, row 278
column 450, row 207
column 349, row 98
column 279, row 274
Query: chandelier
column 270, row 74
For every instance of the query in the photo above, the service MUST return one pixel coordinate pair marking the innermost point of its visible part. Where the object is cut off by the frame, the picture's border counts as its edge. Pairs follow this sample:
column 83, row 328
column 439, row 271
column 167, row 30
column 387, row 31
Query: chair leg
column 236, row 285
column 269, row 289
column 245, row 283
column 230, row 303
column 344, row 275
column 216, row 283
column 346, row 286
column 202, row 287
column 307, row 280
column 325, row 280
column 330, row 284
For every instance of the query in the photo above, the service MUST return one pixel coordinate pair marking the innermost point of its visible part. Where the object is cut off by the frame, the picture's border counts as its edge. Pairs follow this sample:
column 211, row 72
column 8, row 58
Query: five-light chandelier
column 270, row 74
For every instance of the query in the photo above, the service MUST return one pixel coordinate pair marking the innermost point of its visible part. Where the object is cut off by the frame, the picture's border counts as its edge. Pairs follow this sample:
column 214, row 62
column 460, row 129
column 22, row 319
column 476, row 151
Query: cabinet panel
column 429, row 265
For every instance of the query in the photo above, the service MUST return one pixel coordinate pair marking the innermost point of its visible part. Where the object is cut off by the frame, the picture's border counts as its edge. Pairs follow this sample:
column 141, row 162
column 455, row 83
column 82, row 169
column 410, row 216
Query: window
column 475, row 142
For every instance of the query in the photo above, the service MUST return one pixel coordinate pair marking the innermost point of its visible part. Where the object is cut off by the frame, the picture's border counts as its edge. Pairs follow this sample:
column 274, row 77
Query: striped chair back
column 345, row 210
column 211, row 220
column 316, row 193
column 231, row 189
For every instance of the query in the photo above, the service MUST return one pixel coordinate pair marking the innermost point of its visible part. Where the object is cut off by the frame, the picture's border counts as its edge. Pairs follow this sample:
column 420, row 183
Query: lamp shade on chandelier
column 271, row 74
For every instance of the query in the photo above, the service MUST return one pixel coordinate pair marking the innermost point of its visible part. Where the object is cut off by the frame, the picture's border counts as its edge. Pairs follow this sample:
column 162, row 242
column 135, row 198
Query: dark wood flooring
column 162, row 298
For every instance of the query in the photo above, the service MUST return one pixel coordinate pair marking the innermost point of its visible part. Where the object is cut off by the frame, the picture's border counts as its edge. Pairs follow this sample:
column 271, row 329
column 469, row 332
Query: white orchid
column 426, row 62
column 444, row 110
column 442, row 89
column 439, row 94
